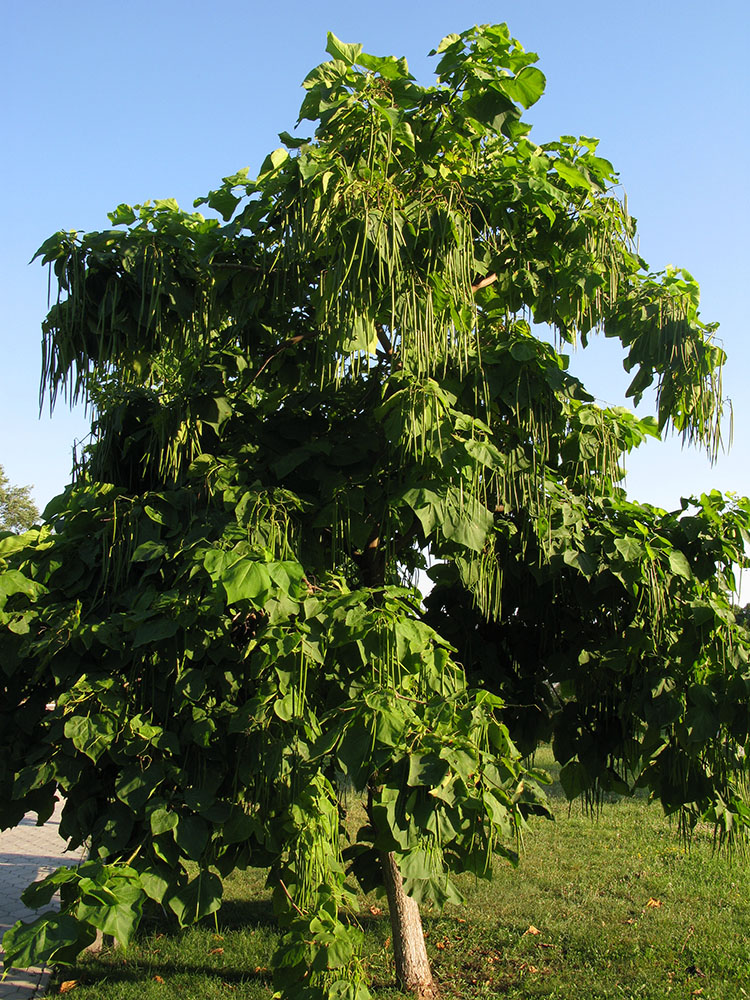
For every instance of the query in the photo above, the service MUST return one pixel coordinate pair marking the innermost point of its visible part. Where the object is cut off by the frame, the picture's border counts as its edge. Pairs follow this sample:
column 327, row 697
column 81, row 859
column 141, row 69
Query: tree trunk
column 413, row 971
column 409, row 952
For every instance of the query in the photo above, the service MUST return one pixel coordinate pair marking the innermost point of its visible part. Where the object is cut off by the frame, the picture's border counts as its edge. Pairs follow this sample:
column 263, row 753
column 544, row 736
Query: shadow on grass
column 161, row 951
column 138, row 970
column 233, row 915
column 238, row 914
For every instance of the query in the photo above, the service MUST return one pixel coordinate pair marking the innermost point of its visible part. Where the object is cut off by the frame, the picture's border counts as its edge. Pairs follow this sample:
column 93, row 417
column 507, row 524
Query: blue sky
column 107, row 103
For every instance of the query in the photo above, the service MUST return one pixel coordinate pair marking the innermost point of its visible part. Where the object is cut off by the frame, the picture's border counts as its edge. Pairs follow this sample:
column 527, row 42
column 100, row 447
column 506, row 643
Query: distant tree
column 17, row 510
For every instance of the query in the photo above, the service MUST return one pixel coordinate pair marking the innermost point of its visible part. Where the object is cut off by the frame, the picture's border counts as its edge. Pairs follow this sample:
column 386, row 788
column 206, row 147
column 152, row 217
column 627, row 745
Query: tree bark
column 409, row 952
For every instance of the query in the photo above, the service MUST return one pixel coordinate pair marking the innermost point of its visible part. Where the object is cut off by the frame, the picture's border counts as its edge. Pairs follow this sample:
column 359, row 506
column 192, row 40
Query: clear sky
column 120, row 102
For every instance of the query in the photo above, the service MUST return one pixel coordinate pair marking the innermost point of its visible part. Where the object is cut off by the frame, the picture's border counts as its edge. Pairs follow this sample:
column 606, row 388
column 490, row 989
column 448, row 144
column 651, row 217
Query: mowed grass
column 611, row 909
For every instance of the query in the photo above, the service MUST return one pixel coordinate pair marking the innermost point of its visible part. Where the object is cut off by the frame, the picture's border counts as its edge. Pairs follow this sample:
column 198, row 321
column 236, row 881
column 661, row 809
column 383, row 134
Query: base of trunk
column 410, row 954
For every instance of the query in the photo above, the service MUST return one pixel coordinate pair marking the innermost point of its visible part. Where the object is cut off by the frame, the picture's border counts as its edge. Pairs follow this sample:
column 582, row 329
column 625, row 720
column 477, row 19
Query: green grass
column 622, row 911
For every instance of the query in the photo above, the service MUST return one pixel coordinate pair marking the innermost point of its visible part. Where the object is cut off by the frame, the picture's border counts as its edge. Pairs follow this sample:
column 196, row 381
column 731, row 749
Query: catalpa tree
column 295, row 406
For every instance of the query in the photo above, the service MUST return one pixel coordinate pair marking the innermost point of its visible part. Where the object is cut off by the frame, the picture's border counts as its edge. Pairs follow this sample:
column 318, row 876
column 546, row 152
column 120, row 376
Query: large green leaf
column 465, row 520
column 40, row 893
column 679, row 564
column 572, row 175
column 114, row 908
column 491, row 107
column 162, row 821
column 580, row 560
column 39, row 941
column 10, row 543
column 191, row 835
column 289, row 576
column 341, row 50
column 416, row 864
column 246, row 580
column 216, row 410
column 154, row 630
column 575, row 779
column 197, row 899
column 149, row 552
column 12, row 581
column 156, row 882
column 630, row 549
column 136, row 784
column 91, row 734
column 526, row 87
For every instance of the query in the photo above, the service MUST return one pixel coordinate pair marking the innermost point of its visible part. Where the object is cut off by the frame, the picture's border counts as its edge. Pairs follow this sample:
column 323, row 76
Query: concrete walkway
column 27, row 854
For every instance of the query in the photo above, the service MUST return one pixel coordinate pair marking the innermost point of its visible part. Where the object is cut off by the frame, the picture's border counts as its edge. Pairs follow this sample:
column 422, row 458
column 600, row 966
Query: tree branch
column 383, row 340
column 238, row 267
column 282, row 347
column 489, row 279
column 289, row 897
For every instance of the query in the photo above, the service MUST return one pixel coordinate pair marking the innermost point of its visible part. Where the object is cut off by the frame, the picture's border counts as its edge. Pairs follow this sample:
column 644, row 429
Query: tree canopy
column 354, row 373
column 17, row 508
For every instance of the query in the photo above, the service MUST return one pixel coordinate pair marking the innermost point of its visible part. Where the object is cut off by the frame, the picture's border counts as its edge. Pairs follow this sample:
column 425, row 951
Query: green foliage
column 17, row 510
column 292, row 406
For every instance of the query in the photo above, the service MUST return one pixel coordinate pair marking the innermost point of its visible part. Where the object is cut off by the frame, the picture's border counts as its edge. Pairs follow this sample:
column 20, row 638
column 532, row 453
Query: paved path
column 27, row 853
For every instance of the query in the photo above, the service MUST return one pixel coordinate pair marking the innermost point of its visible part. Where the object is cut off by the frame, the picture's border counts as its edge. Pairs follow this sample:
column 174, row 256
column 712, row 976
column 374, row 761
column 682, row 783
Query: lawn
column 610, row 909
